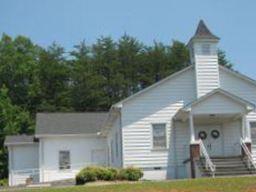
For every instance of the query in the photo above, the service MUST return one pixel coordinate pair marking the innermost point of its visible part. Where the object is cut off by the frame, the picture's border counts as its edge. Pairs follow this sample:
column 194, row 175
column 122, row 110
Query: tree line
column 88, row 78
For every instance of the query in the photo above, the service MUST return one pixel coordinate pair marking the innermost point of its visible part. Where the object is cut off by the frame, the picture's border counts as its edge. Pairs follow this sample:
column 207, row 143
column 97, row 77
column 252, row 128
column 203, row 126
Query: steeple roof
column 203, row 32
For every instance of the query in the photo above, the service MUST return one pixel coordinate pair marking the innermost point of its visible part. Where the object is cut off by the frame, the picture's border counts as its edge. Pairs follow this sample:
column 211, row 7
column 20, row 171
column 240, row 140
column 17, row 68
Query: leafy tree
column 129, row 53
column 223, row 59
column 14, row 120
column 86, row 89
column 18, row 65
column 54, row 80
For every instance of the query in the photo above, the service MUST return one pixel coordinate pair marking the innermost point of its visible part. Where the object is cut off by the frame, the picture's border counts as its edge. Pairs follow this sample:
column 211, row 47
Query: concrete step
column 226, row 166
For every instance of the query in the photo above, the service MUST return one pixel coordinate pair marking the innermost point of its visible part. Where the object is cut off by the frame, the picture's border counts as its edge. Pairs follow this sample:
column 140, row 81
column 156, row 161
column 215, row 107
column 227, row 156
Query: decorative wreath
column 215, row 134
column 202, row 135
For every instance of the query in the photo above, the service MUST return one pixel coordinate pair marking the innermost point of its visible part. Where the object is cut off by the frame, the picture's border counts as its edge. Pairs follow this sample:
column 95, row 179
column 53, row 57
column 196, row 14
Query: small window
column 159, row 136
column 116, row 144
column 253, row 129
column 64, row 160
column 206, row 49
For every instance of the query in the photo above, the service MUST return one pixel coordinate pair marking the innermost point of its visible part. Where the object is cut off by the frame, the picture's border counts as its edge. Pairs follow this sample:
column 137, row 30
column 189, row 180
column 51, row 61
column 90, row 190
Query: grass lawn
column 243, row 184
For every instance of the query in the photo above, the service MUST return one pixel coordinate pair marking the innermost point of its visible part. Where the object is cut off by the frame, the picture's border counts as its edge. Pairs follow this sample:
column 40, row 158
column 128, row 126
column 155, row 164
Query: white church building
column 198, row 122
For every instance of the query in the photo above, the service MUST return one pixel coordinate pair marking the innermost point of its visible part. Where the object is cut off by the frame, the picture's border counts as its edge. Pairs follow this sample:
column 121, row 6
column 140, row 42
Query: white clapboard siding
column 206, row 68
column 207, row 73
column 82, row 152
column 239, row 87
column 218, row 104
column 157, row 105
column 114, row 136
column 231, row 132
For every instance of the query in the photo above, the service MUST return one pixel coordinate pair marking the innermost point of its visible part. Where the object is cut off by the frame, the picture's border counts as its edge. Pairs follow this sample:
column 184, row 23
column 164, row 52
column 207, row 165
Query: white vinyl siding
column 114, row 143
column 218, row 104
column 82, row 152
column 243, row 89
column 156, row 105
column 207, row 70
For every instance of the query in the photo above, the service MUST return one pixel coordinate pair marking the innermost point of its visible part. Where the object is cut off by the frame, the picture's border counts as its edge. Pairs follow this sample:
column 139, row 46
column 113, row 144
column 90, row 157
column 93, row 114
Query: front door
column 212, row 138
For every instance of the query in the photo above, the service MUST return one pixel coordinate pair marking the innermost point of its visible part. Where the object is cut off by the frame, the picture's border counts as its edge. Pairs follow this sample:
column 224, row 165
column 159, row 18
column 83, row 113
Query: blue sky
column 70, row 21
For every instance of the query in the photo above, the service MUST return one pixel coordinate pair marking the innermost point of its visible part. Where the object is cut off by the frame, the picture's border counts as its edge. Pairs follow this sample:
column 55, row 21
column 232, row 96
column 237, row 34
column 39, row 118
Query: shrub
column 86, row 175
column 3, row 182
column 110, row 174
column 130, row 174
column 94, row 173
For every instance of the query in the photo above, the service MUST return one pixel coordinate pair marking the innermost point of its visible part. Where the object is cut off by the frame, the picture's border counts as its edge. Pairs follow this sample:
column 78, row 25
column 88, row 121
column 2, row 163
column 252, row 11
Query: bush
column 130, row 174
column 3, row 182
column 86, row 175
column 110, row 174
column 94, row 173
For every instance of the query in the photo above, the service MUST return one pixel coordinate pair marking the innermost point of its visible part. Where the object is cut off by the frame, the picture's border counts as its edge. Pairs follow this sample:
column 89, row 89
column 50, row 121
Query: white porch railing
column 20, row 177
column 24, row 176
column 208, row 162
column 250, row 160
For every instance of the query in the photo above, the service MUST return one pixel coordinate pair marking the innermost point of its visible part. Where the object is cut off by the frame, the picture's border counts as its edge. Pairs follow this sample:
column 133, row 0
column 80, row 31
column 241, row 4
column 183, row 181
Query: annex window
column 206, row 49
column 159, row 136
column 64, row 160
column 253, row 130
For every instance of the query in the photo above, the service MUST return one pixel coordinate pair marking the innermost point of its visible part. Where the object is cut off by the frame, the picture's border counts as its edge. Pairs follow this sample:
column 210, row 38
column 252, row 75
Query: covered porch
column 218, row 127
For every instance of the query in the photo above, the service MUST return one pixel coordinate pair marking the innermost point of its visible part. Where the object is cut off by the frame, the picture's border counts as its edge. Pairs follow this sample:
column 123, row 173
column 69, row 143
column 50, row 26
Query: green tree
column 107, row 65
column 86, row 92
column 223, row 59
column 18, row 65
column 54, row 80
column 129, row 53
column 14, row 120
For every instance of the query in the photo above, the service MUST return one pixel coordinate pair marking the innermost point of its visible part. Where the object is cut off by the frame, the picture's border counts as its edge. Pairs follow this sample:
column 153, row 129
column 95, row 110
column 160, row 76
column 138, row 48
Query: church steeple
column 204, row 56
column 202, row 32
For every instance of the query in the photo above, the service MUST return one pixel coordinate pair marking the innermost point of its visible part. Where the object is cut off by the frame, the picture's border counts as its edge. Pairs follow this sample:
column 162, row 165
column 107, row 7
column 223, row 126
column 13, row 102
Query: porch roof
column 230, row 99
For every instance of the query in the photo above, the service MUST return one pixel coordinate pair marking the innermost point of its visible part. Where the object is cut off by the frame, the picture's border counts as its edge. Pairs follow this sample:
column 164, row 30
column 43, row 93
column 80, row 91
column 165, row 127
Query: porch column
column 246, row 129
column 246, row 134
column 192, row 129
column 194, row 147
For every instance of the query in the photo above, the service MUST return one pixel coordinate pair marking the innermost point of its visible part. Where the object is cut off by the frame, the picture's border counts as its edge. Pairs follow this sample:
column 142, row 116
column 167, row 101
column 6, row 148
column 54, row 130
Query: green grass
column 243, row 184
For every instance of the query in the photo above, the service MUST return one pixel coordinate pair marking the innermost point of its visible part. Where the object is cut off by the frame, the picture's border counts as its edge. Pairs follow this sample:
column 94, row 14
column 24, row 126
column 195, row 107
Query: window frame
column 152, row 137
column 206, row 49
column 250, row 124
column 59, row 162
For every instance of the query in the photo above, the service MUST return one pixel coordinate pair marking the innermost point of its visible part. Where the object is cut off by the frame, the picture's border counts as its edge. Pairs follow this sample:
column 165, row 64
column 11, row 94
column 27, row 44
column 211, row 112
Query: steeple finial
column 202, row 32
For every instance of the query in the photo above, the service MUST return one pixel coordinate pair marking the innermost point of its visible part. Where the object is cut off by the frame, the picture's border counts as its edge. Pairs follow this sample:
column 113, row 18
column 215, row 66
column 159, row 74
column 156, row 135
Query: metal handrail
column 208, row 162
column 248, row 154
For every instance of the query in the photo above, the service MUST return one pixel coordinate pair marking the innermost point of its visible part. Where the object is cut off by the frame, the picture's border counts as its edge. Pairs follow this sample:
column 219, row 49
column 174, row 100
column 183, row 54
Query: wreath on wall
column 202, row 135
column 215, row 134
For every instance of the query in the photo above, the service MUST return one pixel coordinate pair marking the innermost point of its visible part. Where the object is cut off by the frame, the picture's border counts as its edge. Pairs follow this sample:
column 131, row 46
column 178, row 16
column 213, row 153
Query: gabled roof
column 203, row 32
column 119, row 104
column 19, row 140
column 238, row 74
column 69, row 123
column 249, row 105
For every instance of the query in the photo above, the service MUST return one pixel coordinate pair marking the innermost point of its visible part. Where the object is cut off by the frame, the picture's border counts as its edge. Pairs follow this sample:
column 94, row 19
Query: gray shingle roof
column 69, row 123
column 203, row 32
column 19, row 139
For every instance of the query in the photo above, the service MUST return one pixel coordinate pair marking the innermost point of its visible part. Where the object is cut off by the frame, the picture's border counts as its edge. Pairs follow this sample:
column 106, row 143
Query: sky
column 68, row 22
